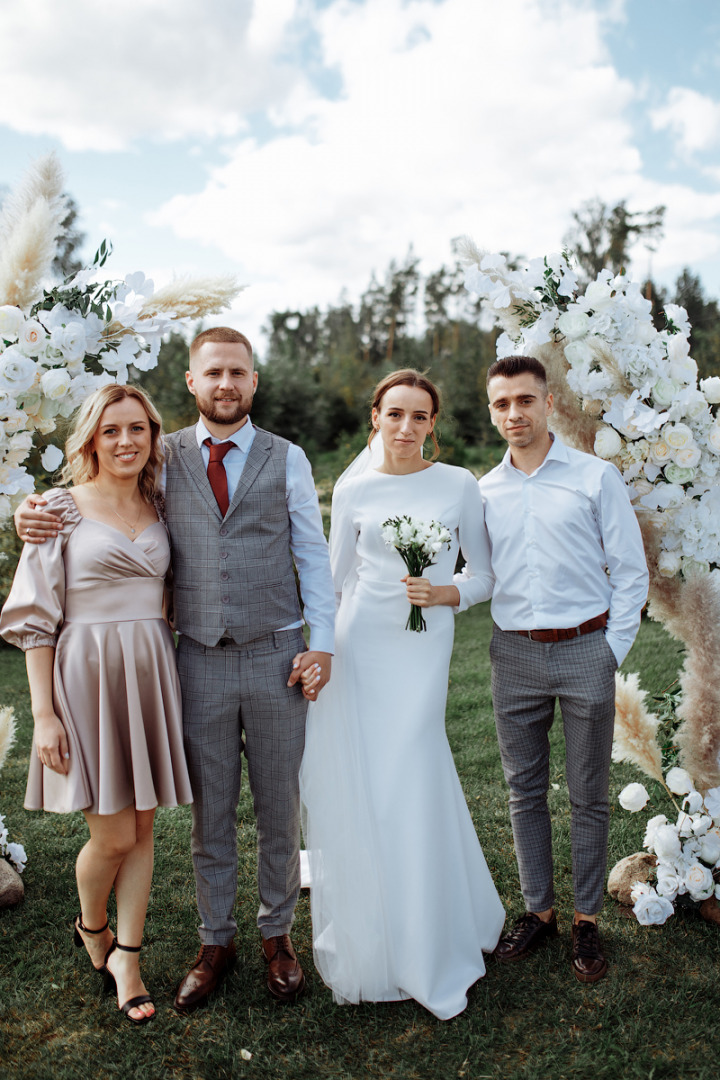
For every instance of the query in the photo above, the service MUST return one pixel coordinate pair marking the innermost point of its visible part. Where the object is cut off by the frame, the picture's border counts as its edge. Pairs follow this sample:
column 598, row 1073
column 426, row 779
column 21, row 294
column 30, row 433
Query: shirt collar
column 557, row 452
column 242, row 438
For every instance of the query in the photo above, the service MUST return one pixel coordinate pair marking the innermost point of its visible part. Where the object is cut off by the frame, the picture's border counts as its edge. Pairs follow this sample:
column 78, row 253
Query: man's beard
column 208, row 408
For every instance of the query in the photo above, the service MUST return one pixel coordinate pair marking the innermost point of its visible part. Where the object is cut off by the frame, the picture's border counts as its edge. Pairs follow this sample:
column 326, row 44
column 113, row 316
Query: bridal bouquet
column 14, row 853
column 417, row 542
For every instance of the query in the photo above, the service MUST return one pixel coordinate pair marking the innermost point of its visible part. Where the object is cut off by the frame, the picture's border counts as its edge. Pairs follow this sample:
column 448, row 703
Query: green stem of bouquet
column 416, row 564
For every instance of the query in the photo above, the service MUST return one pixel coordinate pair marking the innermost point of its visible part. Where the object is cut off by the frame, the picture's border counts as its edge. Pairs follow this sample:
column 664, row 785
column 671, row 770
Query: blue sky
column 303, row 144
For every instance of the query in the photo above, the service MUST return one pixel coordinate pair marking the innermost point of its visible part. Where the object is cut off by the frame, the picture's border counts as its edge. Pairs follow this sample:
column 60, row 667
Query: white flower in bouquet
column 608, row 443
column 666, row 842
column 32, row 337
column 11, row 320
column 711, row 389
column 699, row 882
column 693, row 802
column 679, row 781
column 417, row 543
column 651, row 828
column 665, row 391
column 17, row 856
column 712, row 803
column 55, row 383
column 669, row 563
column 633, row 798
column 710, row 847
column 649, row 908
column 574, row 323
column 669, row 882
column 51, row 458
column 676, row 474
column 713, row 438
column 17, row 371
column 684, row 824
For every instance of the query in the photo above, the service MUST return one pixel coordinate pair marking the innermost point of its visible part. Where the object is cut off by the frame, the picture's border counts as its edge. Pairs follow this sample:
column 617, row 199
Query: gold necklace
column 124, row 521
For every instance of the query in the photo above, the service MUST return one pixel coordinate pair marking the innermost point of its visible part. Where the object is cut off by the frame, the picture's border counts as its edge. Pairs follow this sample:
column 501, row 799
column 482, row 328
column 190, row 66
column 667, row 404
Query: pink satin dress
column 96, row 596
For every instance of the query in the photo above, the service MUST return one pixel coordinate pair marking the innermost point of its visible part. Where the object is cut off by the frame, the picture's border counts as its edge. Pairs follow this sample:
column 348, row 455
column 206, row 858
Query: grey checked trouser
column 235, row 700
column 527, row 678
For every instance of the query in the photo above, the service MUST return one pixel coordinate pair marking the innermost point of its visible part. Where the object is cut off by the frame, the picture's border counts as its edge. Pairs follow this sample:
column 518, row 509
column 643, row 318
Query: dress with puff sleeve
column 96, row 597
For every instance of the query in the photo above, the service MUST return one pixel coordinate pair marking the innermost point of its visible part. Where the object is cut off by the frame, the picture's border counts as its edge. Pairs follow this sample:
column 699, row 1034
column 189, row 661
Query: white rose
column 678, row 436
column 675, row 474
column 55, row 383
column 633, row 798
column 710, row 847
column 669, row 563
column 652, row 910
column 578, row 353
column 668, row 881
column 666, row 842
column 17, row 372
column 32, row 337
column 607, row 442
column 11, row 319
column 17, row 856
column 713, row 438
column 700, row 824
column 660, row 452
column 573, row 323
column 687, row 457
column 598, row 295
column 69, row 340
column 664, row 391
column 710, row 388
column 51, row 458
column 679, row 781
column 693, row 802
column 684, row 824
column 684, row 369
column 14, row 420
column 699, row 881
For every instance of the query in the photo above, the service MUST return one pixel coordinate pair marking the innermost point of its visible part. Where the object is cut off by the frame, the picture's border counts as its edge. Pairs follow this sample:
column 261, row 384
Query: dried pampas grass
column 467, row 250
column 699, row 735
column 635, row 735
column 30, row 224
column 7, row 732
column 191, row 298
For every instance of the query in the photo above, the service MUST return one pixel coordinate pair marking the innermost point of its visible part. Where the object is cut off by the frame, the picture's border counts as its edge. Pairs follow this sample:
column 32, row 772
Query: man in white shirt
column 570, row 584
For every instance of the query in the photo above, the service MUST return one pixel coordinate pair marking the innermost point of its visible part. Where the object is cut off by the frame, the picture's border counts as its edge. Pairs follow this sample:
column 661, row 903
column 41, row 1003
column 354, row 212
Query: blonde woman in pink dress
column 86, row 607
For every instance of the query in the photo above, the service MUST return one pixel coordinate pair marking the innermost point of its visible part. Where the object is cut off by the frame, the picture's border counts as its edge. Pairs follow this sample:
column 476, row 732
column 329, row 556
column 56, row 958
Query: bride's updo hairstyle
column 81, row 459
column 408, row 377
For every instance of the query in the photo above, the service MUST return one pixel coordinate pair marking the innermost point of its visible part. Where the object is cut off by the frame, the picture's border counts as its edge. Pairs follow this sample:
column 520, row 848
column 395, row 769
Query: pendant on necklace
column 131, row 528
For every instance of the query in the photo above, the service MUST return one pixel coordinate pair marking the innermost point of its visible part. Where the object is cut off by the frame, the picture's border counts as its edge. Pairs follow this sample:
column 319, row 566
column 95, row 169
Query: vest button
column 223, row 554
column 223, row 531
column 224, row 576
column 226, row 599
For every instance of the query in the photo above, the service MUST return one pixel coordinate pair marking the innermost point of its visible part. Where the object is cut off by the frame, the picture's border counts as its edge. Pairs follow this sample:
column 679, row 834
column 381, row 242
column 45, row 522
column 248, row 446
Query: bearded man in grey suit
column 241, row 510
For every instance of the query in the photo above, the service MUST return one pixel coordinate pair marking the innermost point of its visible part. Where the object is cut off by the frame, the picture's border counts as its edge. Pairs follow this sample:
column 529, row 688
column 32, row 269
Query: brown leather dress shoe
column 285, row 979
column 206, row 974
column 588, row 962
column 528, row 932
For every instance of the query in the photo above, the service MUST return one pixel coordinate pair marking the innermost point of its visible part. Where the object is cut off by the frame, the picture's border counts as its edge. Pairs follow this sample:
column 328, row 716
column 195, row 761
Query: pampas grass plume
column 191, row 298
column 467, row 250
column 30, row 223
column 635, row 736
column 7, row 732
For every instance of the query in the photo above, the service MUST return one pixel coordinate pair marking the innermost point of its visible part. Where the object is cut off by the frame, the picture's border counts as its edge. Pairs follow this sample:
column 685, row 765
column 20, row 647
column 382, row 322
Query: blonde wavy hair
column 81, row 458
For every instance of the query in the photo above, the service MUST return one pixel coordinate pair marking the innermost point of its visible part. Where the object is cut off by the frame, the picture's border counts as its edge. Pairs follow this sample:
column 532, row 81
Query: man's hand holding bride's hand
column 423, row 593
column 312, row 668
column 34, row 525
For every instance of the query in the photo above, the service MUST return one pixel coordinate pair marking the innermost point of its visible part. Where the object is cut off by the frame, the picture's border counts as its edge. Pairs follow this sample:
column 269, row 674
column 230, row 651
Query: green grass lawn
column 652, row 1017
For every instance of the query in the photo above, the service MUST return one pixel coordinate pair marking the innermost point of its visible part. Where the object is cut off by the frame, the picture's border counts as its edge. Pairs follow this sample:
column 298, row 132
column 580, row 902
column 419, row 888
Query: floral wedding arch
column 58, row 344
column 629, row 393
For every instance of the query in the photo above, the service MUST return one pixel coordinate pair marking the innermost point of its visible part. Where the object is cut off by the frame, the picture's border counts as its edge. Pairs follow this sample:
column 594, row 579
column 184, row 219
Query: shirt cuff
column 619, row 645
column 322, row 641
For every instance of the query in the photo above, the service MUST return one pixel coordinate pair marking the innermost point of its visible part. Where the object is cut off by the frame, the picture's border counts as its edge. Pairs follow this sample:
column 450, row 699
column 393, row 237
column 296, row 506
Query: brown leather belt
column 564, row 635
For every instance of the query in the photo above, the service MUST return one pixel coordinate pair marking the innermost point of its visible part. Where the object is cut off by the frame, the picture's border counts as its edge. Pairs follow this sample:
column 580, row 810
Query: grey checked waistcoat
column 232, row 576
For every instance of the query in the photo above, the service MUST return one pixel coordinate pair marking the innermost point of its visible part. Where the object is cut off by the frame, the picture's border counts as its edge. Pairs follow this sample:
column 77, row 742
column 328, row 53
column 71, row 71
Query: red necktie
column 216, row 472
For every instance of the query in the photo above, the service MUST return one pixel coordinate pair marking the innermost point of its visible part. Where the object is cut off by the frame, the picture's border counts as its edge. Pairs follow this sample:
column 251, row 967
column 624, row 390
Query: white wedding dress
column 403, row 905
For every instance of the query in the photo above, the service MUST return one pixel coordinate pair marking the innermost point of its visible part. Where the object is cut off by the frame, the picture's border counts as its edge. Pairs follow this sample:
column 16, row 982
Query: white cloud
column 99, row 76
column 454, row 117
column 692, row 118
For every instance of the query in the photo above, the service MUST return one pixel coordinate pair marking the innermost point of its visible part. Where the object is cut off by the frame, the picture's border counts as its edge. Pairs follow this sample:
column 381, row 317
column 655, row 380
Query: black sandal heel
column 79, row 925
column 132, row 1003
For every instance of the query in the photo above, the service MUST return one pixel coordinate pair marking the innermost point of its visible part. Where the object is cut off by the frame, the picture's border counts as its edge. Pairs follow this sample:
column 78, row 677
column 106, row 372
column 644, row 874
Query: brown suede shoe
column 528, row 932
column 285, row 979
column 588, row 962
column 206, row 974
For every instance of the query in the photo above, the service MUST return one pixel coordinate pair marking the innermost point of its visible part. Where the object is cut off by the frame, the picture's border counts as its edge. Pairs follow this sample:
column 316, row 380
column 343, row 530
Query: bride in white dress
column 403, row 905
